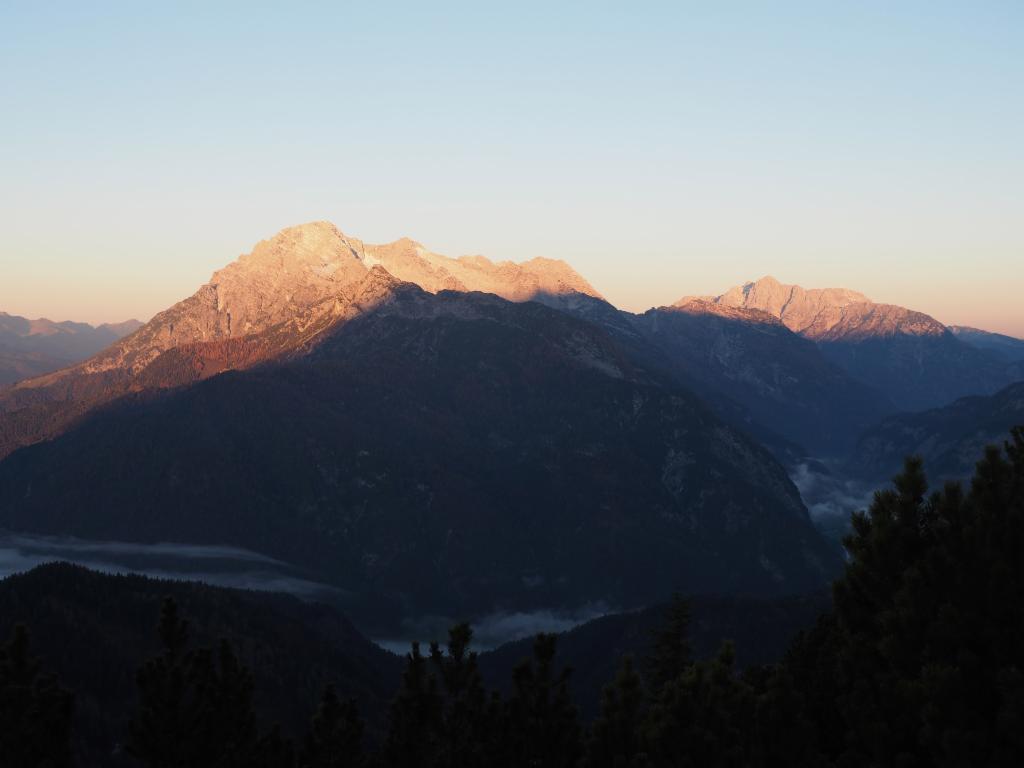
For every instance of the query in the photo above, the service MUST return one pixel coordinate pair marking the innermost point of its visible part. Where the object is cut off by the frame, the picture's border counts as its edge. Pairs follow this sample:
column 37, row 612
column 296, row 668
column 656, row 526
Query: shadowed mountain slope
column 1008, row 348
column 782, row 380
column 450, row 454
column 269, row 303
column 949, row 439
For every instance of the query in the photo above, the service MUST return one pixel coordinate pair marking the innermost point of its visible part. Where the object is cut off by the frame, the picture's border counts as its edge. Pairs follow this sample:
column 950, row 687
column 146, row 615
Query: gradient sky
column 662, row 148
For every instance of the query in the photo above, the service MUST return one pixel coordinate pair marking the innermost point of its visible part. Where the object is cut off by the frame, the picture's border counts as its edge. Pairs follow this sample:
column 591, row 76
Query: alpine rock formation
column 438, row 449
column 909, row 356
column 274, row 301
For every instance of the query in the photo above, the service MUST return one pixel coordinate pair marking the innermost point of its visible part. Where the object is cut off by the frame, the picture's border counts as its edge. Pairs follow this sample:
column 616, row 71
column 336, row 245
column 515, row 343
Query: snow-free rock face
column 272, row 301
column 536, row 278
column 301, row 267
column 799, row 308
column 825, row 313
column 909, row 356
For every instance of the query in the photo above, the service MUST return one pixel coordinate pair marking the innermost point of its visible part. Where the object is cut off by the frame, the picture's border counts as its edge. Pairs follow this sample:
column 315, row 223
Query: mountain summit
column 822, row 313
column 273, row 301
column 910, row 356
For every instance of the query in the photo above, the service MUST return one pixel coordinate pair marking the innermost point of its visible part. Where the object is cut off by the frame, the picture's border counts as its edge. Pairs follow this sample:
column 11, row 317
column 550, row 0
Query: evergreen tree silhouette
column 615, row 736
column 465, row 716
column 35, row 712
column 703, row 718
column 195, row 707
column 335, row 739
column 541, row 724
column 414, row 723
column 670, row 654
column 274, row 750
column 921, row 664
column 161, row 733
column 226, row 726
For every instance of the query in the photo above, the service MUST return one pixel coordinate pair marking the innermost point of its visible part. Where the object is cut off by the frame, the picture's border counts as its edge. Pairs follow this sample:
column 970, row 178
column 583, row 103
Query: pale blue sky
column 662, row 148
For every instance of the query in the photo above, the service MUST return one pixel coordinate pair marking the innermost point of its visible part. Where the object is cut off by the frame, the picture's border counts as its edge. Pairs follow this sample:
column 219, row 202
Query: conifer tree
column 35, row 712
column 414, row 723
column 922, row 660
column 541, row 724
column 335, row 739
column 195, row 706
column 670, row 647
column 226, row 724
column 464, row 720
column 703, row 718
column 274, row 750
column 160, row 735
column 615, row 736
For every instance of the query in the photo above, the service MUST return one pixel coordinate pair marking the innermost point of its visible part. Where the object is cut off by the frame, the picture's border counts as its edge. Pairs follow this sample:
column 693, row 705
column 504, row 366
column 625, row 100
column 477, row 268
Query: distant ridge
column 910, row 356
column 1008, row 348
column 32, row 347
column 949, row 439
column 825, row 313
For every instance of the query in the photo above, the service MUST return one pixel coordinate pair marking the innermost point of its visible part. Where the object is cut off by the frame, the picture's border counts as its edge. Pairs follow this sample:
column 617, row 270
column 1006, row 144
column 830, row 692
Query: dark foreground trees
column 920, row 663
column 35, row 712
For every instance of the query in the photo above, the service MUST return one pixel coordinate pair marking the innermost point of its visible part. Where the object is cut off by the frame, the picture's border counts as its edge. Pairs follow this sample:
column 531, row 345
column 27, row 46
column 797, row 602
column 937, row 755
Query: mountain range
column 30, row 348
column 448, row 453
column 453, row 437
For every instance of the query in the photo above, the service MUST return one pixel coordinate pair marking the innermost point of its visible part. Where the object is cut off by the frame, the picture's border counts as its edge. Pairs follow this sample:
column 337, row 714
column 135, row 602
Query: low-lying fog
column 243, row 569
column 830, row 498
column 221, row 566
column 497, row 628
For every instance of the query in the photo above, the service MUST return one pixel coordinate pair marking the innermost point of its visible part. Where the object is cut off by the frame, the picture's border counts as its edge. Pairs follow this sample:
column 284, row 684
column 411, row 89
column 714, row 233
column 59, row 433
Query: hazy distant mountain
column 950, row 439
column 1007, row 347
column 446, row 454
column 33, row 347
column 911, row 357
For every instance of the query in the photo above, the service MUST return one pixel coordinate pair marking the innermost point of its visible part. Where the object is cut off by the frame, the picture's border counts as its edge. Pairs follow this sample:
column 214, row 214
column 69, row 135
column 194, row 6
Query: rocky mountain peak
column 537, row 278
column 811, row 311
column 302, row 279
